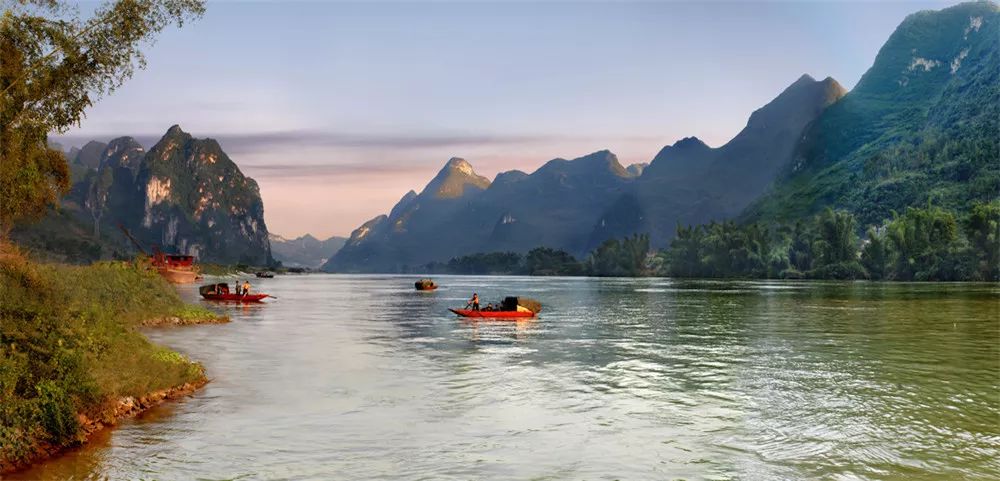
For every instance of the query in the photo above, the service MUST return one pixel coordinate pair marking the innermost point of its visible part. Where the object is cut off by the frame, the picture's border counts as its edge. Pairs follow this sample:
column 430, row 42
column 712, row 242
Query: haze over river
column 361, row 377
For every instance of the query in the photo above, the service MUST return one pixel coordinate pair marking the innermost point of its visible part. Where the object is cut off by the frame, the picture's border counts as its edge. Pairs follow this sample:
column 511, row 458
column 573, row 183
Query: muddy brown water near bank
column 361, row 377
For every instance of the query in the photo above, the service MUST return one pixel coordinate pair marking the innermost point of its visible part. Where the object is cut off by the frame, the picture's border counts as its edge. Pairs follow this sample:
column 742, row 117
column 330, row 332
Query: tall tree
column 875, row 255
column 54, row 64
column 924, row 242
column 982, row 228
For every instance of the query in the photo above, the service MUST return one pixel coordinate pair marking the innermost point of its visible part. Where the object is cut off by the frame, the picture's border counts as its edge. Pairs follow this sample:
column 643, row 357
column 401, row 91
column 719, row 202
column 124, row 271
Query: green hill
column 920, row 127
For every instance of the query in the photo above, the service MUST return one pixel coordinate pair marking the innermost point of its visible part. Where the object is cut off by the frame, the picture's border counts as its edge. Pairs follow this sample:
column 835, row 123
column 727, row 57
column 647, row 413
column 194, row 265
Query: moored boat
column 178, row 269
column 264, row 274
column 178, row 276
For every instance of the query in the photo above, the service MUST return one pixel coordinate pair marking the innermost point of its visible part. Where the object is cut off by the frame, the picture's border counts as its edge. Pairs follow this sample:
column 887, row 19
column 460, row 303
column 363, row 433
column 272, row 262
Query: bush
column 68, row 343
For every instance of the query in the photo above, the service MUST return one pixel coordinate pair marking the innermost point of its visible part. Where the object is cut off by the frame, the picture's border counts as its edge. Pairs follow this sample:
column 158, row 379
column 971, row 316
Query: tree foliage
column 625, row 258
column 924, row 244
column 54, row 64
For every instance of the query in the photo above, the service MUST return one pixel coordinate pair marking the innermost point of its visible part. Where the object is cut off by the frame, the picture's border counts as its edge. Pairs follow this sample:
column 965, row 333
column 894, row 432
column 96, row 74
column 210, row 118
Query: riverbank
column 72, row 360
column 105, row 416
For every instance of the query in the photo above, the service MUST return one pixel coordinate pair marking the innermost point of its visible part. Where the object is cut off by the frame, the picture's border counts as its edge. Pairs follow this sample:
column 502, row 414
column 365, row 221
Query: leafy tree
column 486, row 263
column 924, row 244
column 544, row 261
column 683, row 259
column 620, row 258
column 836, row 246
column 800, row 251
column 55, row 65
column 982, row 228
column 875, row 255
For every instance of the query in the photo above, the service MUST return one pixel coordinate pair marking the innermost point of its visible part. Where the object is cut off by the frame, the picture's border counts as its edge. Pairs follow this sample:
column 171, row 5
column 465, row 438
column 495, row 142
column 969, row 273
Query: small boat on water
column 493, row 314
column 510, row 308
column 264, row 274
column 425, row 285
column 221, row 292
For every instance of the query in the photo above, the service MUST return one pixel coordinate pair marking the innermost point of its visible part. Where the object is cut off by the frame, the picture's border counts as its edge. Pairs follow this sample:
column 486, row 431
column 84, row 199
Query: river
column 361, row 377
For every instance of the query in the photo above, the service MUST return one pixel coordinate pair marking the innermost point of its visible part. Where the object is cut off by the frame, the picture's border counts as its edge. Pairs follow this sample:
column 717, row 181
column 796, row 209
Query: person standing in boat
column 246, row 287
column 474, row 302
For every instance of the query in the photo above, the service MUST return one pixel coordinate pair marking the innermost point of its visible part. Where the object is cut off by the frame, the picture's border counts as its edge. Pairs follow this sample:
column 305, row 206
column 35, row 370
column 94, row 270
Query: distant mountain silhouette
column 304, row 251
column 577, row 204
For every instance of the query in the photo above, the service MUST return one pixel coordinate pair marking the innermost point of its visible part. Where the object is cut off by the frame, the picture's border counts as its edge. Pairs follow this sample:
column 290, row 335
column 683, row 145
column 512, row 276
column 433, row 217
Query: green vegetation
column 55, row 65
column 922, row 244
column 69, row 344
column 905, row 136
column 498, row 263
column 627, row 257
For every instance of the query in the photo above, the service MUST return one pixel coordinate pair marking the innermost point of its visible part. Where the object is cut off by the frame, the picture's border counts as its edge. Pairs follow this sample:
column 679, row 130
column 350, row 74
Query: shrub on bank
column 69, row 344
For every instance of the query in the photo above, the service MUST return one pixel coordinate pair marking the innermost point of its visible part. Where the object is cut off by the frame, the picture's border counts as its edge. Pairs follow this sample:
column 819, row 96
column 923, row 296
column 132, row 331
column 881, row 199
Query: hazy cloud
column 252, row 142
column 329, row 170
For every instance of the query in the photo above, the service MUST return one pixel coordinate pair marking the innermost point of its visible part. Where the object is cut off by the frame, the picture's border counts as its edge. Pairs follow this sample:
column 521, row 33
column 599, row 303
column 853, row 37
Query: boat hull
column 428, row 288
column 234, row 297
column 178, row 276
column 493, row 314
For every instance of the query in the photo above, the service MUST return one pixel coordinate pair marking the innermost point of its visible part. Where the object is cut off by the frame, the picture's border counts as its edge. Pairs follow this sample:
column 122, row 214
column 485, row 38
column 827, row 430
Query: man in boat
column 246, row 287
column 474, row 302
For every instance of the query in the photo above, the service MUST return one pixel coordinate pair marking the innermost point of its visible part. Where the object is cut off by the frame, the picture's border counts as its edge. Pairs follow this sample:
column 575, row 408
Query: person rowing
column 474, row 302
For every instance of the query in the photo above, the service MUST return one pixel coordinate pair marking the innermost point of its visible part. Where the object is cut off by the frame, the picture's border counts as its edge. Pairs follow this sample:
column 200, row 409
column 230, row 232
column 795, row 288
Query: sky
column 337, row 109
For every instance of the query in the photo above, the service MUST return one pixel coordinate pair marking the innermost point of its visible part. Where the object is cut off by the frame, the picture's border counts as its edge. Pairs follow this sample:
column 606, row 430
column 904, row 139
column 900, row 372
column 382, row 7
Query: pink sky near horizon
column 364, row 194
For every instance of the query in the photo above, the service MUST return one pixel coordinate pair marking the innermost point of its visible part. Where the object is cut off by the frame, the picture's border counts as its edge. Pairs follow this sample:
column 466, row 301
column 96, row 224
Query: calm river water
column 360, row 377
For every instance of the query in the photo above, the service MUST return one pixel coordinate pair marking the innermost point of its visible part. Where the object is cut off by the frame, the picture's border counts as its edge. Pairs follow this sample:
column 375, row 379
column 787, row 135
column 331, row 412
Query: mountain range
column 304, row 251
column 184, row 195
column 574, row 205
column 920, row 126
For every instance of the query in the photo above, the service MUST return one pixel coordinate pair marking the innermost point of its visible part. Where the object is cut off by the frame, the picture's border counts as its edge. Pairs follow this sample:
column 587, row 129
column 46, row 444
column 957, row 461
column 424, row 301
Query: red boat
column 230, row 297
column 493, row 314
column 178, row 269
column 220, row 292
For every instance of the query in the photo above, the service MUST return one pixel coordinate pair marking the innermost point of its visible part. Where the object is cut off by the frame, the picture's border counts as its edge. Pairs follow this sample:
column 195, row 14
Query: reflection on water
column 360, row 377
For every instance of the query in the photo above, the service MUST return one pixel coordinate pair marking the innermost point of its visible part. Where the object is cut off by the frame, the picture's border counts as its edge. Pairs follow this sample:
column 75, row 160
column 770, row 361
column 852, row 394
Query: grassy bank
column 70, row 350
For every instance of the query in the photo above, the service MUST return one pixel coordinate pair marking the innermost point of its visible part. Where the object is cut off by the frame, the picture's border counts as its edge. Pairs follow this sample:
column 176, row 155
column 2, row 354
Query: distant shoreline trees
column 921, row 244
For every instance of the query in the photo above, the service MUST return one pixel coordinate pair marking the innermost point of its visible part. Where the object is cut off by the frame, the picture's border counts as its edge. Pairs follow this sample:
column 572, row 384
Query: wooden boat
column 264, row 275
column 510, row 308
column 232, row 297
column 178, row 269
column 221, row 292
column 425, row 285
column 493, row 314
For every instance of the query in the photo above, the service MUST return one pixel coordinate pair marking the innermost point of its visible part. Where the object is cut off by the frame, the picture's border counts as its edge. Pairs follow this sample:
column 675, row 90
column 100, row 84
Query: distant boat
column 264, row 274
column 221, row 292
column 425, row 285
